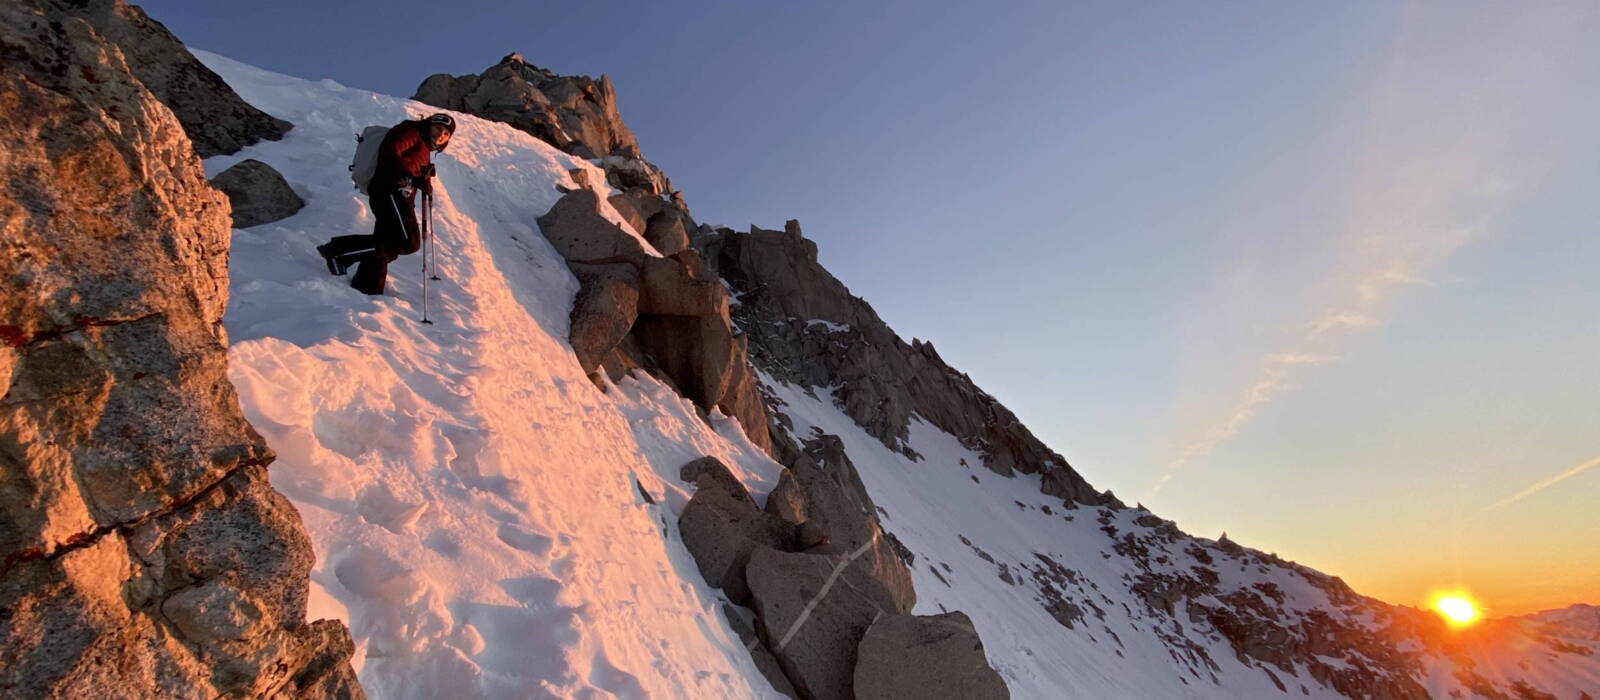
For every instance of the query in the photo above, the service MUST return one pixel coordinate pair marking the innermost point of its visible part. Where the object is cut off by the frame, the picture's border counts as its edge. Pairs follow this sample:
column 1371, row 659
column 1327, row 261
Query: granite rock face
column 257, row 193
column 815, row 645
column 577, row 114
column 822, row 492
column 721, row 526
column 144, row 552
column 217, row 120
column 582, row 235
column 925, row 657
column 815, row 567
column 666, row 315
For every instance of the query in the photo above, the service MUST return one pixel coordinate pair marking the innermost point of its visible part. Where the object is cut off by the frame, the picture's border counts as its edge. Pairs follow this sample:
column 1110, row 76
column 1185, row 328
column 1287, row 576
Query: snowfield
column 932, row 504
column 490, row 524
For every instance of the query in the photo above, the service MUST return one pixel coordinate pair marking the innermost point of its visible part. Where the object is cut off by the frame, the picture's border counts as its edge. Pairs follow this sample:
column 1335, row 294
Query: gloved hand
column 424, row 179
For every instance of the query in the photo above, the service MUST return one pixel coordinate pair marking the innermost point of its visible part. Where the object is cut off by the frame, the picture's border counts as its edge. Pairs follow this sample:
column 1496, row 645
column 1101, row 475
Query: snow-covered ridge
column 478, row 507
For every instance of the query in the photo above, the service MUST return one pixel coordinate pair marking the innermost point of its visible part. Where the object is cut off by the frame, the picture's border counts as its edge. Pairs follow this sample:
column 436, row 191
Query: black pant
column 395, row 233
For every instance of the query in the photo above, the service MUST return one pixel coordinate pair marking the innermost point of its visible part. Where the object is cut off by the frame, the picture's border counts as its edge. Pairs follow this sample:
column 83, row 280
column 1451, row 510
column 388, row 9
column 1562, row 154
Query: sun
column 1457, row 608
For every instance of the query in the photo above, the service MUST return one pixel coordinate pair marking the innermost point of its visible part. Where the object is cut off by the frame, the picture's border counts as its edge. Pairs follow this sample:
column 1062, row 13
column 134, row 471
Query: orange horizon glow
column 1458, row 608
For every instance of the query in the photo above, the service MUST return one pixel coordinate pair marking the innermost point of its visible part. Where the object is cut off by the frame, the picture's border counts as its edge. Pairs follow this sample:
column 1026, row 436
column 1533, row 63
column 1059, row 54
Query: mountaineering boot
column 337, row 265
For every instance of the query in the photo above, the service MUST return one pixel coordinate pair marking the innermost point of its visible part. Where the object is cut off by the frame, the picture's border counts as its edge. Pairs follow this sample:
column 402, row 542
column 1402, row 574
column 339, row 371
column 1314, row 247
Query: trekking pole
column 433, row 250
column 427, row 212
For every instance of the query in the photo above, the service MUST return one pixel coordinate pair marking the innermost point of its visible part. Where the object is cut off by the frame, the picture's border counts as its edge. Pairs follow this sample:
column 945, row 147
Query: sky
column 1320, row 276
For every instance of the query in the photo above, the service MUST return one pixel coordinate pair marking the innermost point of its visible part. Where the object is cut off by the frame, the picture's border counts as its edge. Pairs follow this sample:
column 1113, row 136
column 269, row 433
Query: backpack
column 366, row 160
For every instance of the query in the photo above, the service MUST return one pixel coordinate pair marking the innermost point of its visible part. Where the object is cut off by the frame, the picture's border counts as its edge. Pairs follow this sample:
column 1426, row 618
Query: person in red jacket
column 404, row 166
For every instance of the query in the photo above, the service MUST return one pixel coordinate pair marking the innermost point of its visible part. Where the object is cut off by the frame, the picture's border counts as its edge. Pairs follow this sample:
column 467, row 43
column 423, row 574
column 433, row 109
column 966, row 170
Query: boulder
column 710, row 473
column 258, row 193
column 445, row 90
column 580, row 234
column 668, row 231
column 145, row 552
column 827, row 497
column 925, row 657
column 628, row 208
column 815, row 648
column 721, row 526
column 631, row 173
column 216, row 119
column 604, row 310
column 669, row 287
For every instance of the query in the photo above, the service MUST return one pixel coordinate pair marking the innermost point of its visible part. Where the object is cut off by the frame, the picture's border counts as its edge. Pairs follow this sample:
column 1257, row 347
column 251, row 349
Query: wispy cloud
column 1315, row 342
column 1274, row 380
column 1435, row 171
column 1299, row 358
column 1338, row 320
column 1544, row 484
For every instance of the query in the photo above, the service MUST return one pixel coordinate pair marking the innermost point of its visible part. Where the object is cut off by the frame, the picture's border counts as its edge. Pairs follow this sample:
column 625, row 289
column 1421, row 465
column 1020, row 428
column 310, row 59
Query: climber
column 403, row 167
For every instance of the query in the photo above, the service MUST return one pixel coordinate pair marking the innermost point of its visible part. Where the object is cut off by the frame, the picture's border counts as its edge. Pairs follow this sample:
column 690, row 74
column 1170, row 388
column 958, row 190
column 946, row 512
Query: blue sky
column 1322, row 276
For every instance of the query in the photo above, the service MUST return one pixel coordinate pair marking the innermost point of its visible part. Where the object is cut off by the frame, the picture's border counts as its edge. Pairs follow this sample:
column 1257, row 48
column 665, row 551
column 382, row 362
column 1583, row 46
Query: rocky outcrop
column 575, row 113
column 649, row 301
column 257, row 193
column 144, row 552
column 815, row 643
column 944, row 651
column 822, row 492
column 721, row 526
column 582, row 235
column 217, row 120
column 815, row 567
column 638, row 310
column 806, row 328
column 646, row 300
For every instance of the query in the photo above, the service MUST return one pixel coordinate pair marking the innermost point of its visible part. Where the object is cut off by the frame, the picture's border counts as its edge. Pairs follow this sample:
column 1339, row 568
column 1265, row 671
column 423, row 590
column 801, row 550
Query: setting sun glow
column 1457, row 608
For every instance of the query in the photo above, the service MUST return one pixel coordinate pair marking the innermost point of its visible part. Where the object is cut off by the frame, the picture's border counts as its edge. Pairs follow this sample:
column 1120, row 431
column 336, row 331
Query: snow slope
column 475, row 502
column 999, row 550
column 931, row 505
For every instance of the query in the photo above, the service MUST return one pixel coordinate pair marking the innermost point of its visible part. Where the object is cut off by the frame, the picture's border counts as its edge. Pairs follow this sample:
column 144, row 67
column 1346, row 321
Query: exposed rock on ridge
column 661, row 308
column 144, row 552
column 576, row 114
column 819, row 572
column 217, row 120
column 806, row 328
column 667, row 315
